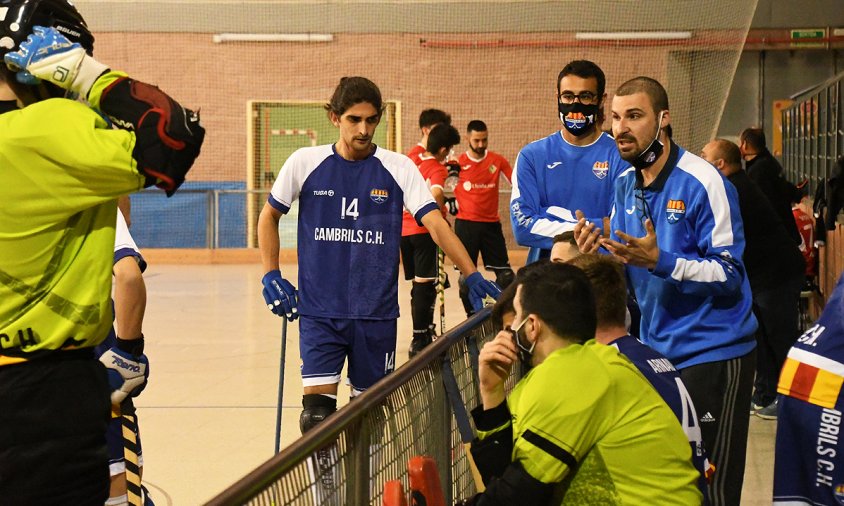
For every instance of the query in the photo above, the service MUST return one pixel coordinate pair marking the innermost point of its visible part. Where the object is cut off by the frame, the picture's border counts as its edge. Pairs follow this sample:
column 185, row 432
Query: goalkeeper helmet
column 18, row 17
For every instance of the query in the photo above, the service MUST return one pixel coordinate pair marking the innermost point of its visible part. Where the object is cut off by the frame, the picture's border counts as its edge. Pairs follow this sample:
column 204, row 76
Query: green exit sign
column 813, row 33
column 808, row 38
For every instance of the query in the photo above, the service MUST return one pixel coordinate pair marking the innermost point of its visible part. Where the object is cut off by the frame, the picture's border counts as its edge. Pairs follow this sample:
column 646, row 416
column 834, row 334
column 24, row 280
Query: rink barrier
column 348, row 458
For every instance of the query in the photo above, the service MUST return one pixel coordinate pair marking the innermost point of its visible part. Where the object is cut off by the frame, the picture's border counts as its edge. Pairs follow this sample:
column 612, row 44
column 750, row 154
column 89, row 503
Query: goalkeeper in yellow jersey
column 62, row 166
column 583, row 426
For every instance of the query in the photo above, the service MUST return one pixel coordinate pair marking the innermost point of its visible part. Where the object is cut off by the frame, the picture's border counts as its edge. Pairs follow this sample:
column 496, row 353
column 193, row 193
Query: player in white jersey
column 351, row 197
column 130, row 297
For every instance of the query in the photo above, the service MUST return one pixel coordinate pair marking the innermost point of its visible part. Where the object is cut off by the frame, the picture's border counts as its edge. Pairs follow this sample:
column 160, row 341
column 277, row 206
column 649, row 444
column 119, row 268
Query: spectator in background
column 574, row 168
column 478, row 224
column 775, row 268
column 764, row 170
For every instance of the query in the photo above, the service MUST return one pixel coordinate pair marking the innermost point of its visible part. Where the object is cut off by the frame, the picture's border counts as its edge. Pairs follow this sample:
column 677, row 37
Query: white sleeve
column 417, row 195
column 122, row 237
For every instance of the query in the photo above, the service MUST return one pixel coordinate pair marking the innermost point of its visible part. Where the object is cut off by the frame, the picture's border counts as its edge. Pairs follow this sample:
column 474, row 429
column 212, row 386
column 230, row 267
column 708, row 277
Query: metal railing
column 413, row 411
column 812, row 132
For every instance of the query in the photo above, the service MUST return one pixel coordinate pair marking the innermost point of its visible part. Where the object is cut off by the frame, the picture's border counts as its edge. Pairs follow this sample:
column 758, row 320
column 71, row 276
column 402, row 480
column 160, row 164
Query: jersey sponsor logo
column 552, row 165
column 337, row 234
column 601, row 169
column 379, row 196
column 520, row 218
column 675, row 210
column 468, row 185
column 324, row 193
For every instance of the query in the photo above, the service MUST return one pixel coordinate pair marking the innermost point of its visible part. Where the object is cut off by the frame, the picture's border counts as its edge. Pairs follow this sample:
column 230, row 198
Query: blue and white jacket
column 552, row 179
column 696, row 304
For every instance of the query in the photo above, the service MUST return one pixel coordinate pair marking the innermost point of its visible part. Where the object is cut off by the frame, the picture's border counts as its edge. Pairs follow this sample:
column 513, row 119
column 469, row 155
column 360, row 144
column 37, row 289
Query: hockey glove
column 48, row 55
column 480, row 289
column 452, row 205
column 453, row 175
column 128, row 369
column 281, row 297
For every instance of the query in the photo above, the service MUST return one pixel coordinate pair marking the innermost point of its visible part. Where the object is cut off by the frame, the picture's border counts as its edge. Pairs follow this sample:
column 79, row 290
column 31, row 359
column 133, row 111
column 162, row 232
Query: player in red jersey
column 478, row 224
column 418, row 250
column 428, row 119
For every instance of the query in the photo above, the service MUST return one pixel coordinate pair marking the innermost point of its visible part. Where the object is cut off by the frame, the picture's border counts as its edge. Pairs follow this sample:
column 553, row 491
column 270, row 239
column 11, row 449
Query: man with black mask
column 574, row 168
column 678, row 230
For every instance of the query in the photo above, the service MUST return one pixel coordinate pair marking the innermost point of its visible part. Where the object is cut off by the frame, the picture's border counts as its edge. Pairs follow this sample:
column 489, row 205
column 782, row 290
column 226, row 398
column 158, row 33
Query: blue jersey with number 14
column 350, row 219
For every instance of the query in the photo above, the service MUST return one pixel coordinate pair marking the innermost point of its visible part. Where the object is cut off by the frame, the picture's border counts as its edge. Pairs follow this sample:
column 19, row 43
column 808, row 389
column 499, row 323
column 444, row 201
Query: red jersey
column 415, row 152
column 806, row 228
column 477, row 189
column 434, row 173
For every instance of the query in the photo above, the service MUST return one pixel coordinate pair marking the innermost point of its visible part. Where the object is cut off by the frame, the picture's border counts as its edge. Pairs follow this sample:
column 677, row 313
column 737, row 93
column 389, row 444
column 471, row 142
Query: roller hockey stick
column 441, row 277
column 280, row 384
column 129, row 423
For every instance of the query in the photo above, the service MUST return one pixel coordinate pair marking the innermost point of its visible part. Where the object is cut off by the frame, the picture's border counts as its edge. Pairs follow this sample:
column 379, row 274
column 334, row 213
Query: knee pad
column 317, row 407
column 503, row 277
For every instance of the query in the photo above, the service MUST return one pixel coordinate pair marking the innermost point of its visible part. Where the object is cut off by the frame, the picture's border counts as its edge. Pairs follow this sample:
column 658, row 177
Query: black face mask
column 8, row 105
column 525, row 351
column 650, row 155
column 578, row 118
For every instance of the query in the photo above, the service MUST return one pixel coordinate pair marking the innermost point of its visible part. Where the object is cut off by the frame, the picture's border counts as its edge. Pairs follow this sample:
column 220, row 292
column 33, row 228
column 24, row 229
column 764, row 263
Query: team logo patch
column 378, row 196
column 838, row 492
column 576, row 119
column 492, row 168
column 675, row 211
column 601, row 169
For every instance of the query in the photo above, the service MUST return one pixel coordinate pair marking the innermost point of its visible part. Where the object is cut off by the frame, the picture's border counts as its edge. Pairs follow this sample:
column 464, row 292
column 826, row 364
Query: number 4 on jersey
column 350, row 210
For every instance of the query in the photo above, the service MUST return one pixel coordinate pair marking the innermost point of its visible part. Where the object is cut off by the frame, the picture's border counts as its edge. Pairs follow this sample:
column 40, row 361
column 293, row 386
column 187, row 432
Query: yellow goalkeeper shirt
column 587, row 419
column 61, row 169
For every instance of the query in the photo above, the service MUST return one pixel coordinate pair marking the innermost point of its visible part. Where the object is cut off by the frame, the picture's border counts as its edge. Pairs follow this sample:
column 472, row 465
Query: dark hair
column 562, row 296
column 728, row 151
column 755, row 137
column 431, row 117
column 650, row 87
column 442, row 136
column 584, row 69
column 476, row 125
column 351, row 91
column 502, row 306
column 567, row 237
column 608, row 284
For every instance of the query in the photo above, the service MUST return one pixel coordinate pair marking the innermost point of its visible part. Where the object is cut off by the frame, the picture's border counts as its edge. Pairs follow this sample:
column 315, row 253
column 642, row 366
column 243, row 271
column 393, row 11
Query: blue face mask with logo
column 578, row 119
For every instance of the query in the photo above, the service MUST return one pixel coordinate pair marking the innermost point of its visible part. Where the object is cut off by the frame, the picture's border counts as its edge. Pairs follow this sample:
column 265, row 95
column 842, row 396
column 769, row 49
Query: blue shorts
column 809, row 463
column 324, row 344
column 114, row 440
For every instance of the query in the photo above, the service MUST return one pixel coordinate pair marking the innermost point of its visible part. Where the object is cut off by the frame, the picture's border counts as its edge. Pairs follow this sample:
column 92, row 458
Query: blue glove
column 47, row 54
column 479, row 289
column 281, row 297
column 128, row 371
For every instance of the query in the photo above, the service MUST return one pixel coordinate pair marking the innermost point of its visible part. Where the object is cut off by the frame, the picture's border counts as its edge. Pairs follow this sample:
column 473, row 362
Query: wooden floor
column 208, row 415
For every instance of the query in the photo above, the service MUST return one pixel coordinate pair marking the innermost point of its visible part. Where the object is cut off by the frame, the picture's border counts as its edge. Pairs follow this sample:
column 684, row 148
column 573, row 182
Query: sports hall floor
column 208, row 415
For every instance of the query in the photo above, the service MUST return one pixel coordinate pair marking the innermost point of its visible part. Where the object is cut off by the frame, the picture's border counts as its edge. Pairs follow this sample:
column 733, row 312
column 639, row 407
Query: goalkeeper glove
column 479, row 289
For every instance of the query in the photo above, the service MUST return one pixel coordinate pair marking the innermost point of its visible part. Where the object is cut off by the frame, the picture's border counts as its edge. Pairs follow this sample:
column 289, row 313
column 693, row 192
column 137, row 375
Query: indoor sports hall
column 260, row 73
